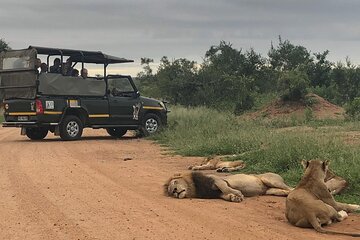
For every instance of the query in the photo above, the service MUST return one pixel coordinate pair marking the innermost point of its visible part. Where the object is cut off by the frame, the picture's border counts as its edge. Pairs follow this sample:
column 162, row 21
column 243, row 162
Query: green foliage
column 176, row 80
column 310, row 100
column 309, row 115
column 292, row 85
column 232, row 79
column 4, row 45
column 352, row 109
column 287, row 56
column 201, row 132
column 319, row 70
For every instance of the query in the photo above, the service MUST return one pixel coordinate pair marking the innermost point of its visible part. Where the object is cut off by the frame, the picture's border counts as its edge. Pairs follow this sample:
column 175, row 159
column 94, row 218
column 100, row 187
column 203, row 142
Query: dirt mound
column 317, row 106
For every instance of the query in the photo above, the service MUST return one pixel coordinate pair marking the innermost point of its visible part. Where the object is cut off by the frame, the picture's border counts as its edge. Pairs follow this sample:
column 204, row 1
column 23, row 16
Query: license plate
column 23, row 118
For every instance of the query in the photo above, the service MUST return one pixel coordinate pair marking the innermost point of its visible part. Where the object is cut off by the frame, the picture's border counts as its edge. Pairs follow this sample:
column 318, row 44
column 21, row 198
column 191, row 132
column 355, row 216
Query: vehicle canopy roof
column 96, row 57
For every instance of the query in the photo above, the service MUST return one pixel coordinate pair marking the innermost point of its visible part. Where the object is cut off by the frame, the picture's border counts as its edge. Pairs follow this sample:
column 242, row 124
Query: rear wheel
column 71, row 128
column 36, row 133
column 116, row 132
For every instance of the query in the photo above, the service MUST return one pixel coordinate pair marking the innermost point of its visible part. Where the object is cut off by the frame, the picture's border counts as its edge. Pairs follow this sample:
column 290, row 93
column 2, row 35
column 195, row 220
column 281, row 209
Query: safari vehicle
column 64, row 105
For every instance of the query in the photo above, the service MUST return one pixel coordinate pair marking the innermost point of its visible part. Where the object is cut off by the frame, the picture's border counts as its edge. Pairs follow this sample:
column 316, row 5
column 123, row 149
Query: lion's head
column 180, row 186
column 316, row 168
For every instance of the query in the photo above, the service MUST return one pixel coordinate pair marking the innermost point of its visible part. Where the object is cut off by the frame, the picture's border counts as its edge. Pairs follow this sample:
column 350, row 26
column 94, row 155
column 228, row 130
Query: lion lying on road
column 216, row 163
column 310, row 204
column 231, row 188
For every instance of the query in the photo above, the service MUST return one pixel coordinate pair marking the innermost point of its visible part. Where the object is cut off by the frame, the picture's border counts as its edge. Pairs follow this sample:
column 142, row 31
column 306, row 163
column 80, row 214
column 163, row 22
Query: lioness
column 216, row 163
column 231, row 188
column 310, row 204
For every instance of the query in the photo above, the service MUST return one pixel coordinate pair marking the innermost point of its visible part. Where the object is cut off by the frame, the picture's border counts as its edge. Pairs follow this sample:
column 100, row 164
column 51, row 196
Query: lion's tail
column 316, row 225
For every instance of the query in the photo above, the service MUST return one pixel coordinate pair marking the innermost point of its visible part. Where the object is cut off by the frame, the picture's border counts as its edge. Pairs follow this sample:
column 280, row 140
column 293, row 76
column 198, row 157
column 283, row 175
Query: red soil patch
column 321, row 109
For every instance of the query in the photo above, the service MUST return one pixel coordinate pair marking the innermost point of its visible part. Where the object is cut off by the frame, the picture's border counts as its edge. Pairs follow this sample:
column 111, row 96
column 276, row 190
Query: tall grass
column 264, row 147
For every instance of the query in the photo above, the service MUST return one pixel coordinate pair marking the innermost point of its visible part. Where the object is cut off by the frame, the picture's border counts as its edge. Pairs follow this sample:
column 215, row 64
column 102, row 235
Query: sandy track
column 85, row 190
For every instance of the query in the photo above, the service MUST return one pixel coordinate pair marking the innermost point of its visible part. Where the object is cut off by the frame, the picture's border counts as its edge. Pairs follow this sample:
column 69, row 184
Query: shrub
column 352, row 109
column 292, row 85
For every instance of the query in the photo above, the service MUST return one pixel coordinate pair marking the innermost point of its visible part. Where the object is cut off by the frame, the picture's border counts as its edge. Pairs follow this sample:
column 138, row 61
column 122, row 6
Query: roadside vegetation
column 200, row 131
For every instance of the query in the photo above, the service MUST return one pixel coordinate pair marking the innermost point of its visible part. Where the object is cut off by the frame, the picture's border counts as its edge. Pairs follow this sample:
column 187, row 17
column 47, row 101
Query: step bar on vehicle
column 21, row 124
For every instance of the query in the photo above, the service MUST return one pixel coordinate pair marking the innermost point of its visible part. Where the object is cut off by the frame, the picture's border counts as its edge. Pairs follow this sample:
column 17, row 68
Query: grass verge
column 264, row 147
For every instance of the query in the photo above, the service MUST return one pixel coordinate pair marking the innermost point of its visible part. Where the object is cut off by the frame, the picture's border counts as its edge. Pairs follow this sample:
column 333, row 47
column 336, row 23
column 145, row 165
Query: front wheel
column 151, row 124
column 116, row 132
column 71, row 128
column 36, row 133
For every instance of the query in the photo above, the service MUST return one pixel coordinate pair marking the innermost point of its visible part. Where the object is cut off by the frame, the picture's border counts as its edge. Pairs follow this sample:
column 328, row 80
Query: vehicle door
column 124, row 101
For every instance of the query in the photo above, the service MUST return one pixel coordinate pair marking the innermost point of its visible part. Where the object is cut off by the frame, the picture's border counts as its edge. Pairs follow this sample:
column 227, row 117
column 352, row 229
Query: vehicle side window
column 120, row 86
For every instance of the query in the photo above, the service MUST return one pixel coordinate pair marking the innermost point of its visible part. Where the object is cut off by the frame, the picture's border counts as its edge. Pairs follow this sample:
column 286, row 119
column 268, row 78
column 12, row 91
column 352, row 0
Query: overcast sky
column 156, row 28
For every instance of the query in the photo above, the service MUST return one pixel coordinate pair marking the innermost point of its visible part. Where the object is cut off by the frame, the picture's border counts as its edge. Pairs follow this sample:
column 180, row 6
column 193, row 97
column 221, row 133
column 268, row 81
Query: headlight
column 162, row 105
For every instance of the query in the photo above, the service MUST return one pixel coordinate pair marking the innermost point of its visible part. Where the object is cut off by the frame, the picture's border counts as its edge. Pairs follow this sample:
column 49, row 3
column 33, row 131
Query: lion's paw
column 223, row 169
column 343, row 215
column 236, row 198
column 354, row 207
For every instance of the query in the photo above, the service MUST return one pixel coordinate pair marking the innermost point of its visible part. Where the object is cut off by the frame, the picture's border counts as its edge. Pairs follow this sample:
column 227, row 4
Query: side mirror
column 137, row 94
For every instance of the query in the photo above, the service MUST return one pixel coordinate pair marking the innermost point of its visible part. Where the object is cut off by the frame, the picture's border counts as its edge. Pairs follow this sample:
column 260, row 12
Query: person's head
column 37, row 63
column 84, row 73
column 57, row 62
column 75, row 73
column 43, row 67
column 68, row 62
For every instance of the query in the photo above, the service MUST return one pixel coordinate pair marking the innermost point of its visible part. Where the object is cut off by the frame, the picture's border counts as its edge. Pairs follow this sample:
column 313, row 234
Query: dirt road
column 86, row 190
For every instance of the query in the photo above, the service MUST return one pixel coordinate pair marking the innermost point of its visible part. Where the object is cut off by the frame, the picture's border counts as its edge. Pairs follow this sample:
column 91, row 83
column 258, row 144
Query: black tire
column 116, row 132
column 151, row 124
column 36, row 133
column 71, row 128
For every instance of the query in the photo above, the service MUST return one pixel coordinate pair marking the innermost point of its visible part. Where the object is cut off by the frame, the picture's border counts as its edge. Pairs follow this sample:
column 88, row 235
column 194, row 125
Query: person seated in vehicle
column 37, row 65
column 115, row 91
column 84, row 73
column 75, row 73
column 56, row 68
column 67, row 69
column 43, row 68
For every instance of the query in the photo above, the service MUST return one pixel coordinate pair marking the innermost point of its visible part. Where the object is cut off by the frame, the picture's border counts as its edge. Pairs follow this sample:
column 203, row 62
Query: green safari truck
column 65, row 103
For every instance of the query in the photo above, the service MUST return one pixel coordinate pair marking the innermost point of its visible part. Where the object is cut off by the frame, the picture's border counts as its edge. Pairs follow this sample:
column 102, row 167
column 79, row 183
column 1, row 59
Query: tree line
column 233, row 79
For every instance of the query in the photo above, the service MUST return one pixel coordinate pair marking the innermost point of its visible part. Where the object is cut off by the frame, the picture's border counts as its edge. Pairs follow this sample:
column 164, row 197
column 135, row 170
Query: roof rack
column 96, row 57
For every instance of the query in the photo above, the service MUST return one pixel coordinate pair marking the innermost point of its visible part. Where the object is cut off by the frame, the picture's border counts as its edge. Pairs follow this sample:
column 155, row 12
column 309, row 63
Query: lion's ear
column 305, row 163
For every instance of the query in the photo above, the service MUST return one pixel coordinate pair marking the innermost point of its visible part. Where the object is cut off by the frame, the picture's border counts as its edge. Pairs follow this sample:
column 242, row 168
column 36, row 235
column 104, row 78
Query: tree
column 4, row 45
column 320, row 69
column 287, row 56
column 176, row 80
column 225, row 59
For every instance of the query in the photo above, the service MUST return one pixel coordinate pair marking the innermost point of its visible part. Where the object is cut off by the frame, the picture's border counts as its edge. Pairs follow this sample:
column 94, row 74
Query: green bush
column 352, row 109
column 292, row 85
column 246, row 104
